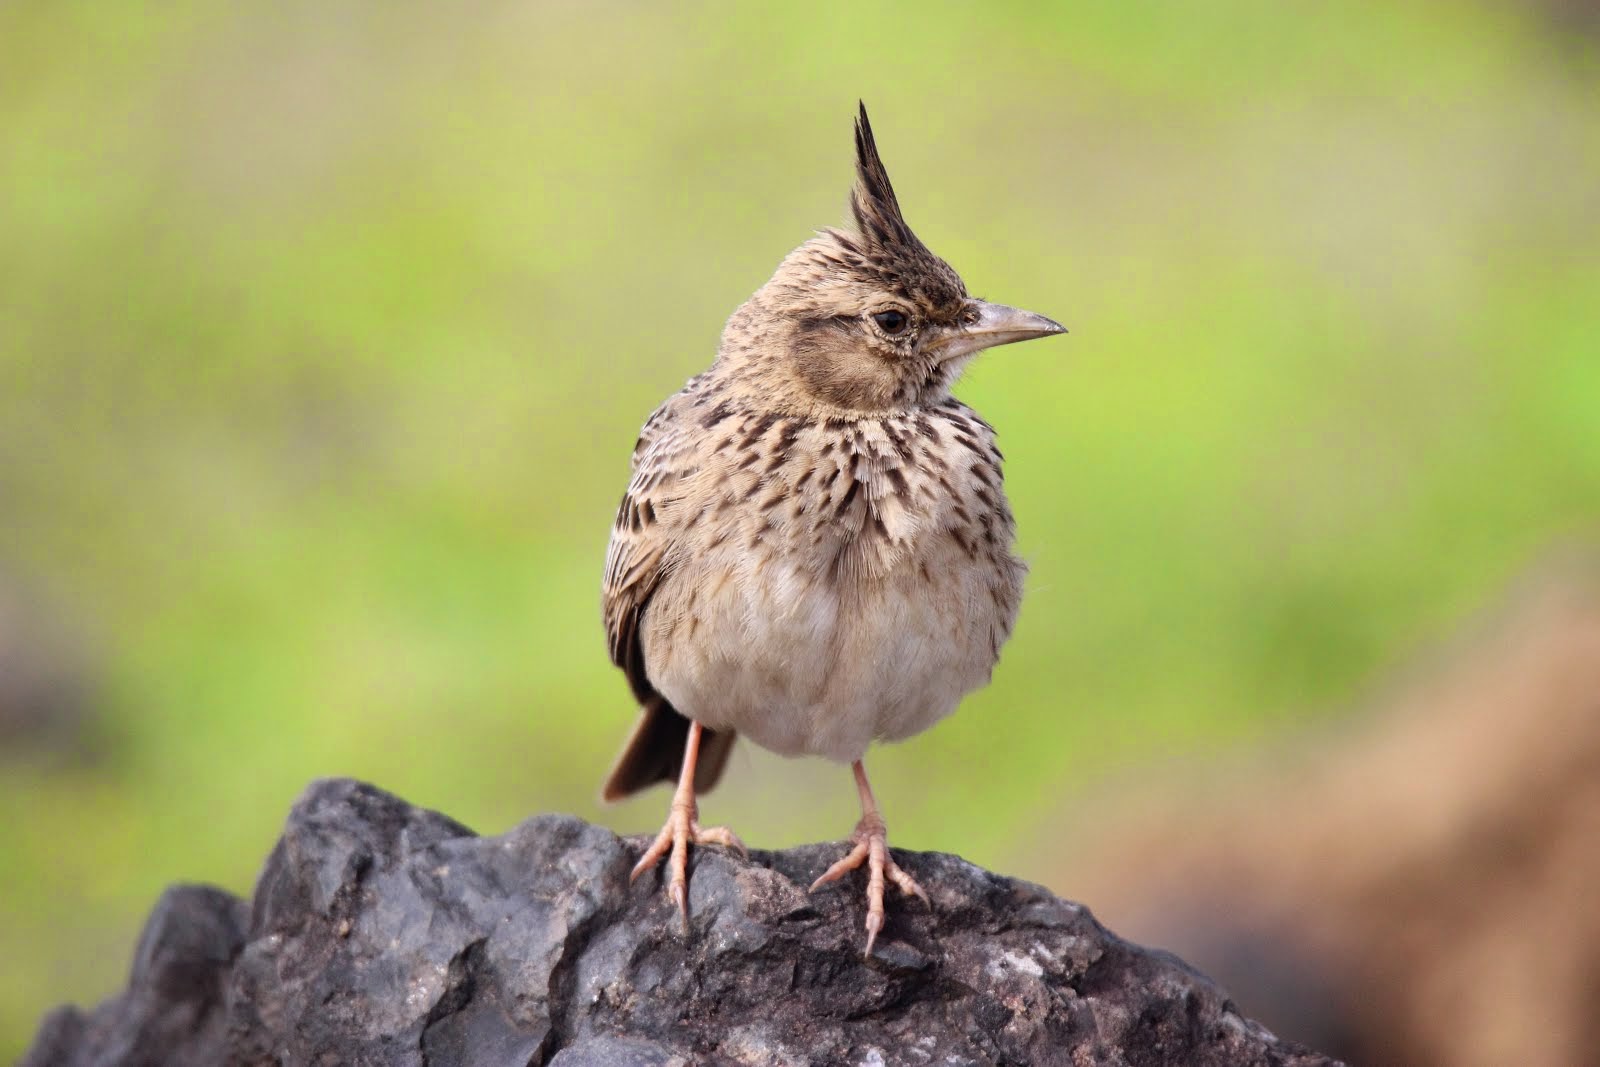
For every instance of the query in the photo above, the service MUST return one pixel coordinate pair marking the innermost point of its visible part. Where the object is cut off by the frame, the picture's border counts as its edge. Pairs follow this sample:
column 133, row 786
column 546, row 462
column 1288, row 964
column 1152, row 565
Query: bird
column 815, row 549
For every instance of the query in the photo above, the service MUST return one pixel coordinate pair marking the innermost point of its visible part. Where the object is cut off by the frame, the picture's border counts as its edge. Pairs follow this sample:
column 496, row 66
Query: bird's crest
column 837, row 271
column 884, row 244
column 872, row 201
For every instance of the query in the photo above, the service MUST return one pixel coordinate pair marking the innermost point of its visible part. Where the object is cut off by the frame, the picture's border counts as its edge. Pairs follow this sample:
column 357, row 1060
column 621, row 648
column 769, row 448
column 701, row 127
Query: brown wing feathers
column 639, row 554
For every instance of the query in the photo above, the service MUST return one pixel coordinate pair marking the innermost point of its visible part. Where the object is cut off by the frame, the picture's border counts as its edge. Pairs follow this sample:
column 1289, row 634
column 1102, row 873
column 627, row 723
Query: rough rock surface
column 381, row 933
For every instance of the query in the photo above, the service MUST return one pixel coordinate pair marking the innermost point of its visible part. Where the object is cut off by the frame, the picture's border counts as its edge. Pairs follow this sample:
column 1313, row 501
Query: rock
column 174, row 1011
column 384, row 934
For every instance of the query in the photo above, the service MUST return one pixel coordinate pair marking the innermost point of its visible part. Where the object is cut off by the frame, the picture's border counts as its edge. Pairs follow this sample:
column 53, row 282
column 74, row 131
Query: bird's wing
column 646, row 537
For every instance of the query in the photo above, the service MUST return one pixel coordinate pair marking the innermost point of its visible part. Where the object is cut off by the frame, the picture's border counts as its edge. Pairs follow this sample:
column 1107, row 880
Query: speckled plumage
column 815, row 548
column 816, row 582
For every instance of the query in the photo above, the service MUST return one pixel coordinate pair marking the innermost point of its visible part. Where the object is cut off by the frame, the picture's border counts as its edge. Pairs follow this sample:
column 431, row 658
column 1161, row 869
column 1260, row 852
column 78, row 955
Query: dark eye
column 892, row 322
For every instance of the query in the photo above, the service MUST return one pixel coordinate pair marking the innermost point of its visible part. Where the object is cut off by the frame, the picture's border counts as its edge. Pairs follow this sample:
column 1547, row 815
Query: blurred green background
column 326, row 330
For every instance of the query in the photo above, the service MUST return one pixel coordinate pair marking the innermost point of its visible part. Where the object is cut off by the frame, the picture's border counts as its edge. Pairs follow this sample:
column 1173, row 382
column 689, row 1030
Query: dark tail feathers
column 655, row 752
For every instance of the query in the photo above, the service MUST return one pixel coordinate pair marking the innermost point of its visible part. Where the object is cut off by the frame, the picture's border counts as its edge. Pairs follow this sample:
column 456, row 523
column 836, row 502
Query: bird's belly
column 806, row 664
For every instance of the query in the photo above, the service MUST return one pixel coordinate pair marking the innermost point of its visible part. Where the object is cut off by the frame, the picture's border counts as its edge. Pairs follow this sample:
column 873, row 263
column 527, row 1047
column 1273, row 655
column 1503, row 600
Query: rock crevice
column 381, row 933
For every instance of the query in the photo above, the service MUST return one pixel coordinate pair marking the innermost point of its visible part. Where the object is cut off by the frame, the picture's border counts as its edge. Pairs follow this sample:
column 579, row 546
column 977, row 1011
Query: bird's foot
column 871, row 839
column 681, row 830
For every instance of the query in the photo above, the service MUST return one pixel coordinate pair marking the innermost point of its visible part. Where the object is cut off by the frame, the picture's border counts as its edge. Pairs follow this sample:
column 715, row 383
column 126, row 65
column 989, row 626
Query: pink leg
column 682, row 827
column 871, row 839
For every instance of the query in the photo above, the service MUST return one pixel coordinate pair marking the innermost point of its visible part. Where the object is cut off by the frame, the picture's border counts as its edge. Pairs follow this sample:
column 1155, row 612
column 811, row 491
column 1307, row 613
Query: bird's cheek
column 948, row 370
column 844, row 379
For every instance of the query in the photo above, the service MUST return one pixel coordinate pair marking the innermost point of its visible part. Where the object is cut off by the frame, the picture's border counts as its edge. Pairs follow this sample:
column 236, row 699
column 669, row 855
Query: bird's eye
column 892, row 322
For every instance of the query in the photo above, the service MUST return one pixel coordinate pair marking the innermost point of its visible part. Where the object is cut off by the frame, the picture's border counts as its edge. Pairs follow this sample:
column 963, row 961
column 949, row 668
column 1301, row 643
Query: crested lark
column 814, row 549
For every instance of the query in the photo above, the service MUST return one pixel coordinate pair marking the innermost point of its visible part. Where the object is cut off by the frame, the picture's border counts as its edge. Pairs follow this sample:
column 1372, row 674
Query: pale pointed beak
column 996, row 324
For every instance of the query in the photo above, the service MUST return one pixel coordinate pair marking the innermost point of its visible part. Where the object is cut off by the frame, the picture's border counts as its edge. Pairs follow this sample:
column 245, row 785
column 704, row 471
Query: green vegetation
column 325, row 333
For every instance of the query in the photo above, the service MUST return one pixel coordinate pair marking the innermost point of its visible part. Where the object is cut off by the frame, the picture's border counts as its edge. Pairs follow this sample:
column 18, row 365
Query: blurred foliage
column 325, row 332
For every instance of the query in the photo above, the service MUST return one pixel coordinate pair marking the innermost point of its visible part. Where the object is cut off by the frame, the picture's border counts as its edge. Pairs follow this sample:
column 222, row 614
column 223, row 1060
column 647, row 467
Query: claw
column 872, row 848
column 681, row 829
column 675, row 837
column 678, row 893
column 721, row 835
column 908, row 885
column 851, row 861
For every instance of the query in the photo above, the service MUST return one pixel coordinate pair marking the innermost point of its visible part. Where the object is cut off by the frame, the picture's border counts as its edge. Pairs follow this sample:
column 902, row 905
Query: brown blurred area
column 1575, row 16
column 47, row 677
column 1421, row 888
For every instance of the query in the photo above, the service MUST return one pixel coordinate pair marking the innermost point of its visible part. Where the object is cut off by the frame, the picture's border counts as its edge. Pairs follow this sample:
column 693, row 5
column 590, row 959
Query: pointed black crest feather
column 872, row 201
column 884, row 250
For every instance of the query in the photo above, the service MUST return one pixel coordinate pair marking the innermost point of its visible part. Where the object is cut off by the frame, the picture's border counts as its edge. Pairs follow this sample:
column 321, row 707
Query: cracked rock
column 381, row 933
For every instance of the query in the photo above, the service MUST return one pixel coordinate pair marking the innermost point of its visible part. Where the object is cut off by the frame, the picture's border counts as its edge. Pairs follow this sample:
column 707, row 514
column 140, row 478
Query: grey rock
column 174, row 1011
column 381, row 933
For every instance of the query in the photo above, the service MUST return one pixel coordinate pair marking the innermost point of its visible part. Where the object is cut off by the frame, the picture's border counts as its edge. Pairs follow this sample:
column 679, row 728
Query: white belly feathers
column 857, row 594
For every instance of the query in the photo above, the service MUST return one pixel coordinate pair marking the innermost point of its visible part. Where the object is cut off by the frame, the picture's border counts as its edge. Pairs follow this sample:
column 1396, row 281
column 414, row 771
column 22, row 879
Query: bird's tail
column 654, row 752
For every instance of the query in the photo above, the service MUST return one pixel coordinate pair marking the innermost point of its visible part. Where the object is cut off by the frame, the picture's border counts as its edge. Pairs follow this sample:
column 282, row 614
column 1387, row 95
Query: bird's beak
column 996, row 324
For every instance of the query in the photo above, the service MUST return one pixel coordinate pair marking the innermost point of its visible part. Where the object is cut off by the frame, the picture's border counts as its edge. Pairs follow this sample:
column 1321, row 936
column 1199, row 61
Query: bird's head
column 870, row 320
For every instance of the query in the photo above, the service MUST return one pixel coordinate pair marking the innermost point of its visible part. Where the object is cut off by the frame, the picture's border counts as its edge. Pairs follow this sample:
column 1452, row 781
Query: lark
column 815, row 547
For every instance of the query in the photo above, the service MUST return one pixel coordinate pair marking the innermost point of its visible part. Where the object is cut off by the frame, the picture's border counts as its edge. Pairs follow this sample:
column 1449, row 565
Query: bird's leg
column 872, row 848
column 683, row 827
